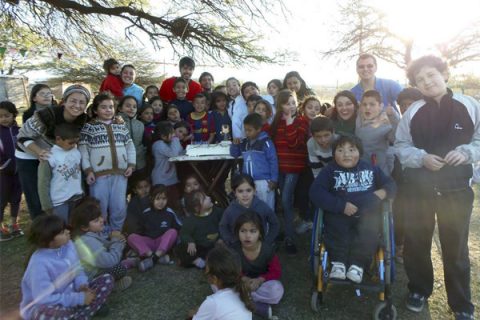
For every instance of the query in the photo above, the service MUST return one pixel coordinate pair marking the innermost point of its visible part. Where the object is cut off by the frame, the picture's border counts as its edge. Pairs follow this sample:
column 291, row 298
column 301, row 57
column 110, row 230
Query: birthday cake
column 218, row 149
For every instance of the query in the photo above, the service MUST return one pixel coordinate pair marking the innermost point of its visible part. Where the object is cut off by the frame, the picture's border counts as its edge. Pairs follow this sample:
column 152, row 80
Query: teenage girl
column 231, row 299
column 107, row 176
column 294, row 82
column 97, row 253
column 244, row 188
column 10, row 189
column 54, row 285
column 261, row 267
column 289, row 132
column 158, row 229
column 199, row 232
column 127, row 109
column 344, row 112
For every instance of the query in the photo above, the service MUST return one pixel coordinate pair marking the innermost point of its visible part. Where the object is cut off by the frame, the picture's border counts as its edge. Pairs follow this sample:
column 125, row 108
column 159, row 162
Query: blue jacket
column 259, row 157
column 335, row 186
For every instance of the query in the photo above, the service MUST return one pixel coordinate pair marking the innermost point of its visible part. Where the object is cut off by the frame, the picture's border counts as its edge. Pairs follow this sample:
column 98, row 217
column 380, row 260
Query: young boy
column 408, row 96
column 202, row 123
column 376, row 128
column 437, row 141
column 139, row 201
column 320, row 144
column 186, row 68
column 350, row 191
column 259, row 158
column 180, row 87
column 112, row 82
column 60, row 178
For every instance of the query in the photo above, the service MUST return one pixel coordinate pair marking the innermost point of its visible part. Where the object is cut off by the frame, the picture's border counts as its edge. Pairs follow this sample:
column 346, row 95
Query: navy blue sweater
column 335, row 186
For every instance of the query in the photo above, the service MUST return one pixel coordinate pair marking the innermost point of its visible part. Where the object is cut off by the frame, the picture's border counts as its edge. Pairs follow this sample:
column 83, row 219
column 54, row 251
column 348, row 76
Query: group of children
column 338, row 159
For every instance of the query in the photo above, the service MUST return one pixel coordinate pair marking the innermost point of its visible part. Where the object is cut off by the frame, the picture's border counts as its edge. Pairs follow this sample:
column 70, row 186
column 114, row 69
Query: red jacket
column 166, row 89
column 113, row 84
column 290, row 142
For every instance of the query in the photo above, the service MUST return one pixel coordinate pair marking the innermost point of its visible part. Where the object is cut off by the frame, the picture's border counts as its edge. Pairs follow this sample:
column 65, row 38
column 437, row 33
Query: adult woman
column 344, row 112
column 36, row 137
column 294, row 82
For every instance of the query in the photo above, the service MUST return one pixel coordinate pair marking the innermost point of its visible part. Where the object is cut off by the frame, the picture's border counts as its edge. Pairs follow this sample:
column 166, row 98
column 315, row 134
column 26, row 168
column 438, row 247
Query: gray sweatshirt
column 164, row 172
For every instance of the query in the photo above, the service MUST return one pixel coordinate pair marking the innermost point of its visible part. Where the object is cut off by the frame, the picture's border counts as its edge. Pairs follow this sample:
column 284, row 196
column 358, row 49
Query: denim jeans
column 111, row 192
column 27, row 172
column 287, row 182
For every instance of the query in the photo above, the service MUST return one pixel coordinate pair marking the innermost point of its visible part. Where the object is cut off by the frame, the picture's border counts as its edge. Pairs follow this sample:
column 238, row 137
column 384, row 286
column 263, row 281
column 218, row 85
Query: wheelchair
column 383, row 264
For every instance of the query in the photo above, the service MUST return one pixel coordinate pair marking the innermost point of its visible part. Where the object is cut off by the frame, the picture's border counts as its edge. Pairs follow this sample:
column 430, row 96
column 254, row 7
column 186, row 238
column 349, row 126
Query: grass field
column 168, row 292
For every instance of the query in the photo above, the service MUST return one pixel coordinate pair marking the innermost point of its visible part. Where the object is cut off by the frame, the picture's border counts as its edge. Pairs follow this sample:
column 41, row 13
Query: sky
column 309, row 29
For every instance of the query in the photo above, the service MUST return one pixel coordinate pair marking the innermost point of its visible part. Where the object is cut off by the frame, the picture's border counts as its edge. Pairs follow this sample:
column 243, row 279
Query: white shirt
column 66, row 174
column 225, row 304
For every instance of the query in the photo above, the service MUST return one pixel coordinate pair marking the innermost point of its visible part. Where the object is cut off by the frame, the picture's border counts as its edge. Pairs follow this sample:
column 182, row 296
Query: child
column 130, row 88
column 54, row 285
column 60, row 177
column 311, row 108
column 191, row 184
column 261, row 269
column 158, row 230
column 320, row 144
column 408, row 96
column 145, row 115
column 294, row 82
column 319, row 148
column 259, row 159
column 182, row 131
column 127, row 109
column 437, row 141
column 274, row 86
column 199, row 232
column 107, row 176
column 350, row 191
column 165, row 146
column 98, row 254
column 139, row 202
column 158, row 111
column 223, row 123
column 10, row 189
column 41, row 97
column 289, row 133
column 180, row 87
column 244, row 188
column 376, row 128
column 265, row 110
column 230, row 299
column 202, row 123
column 251, row 102
column 112, row 83
column 150, row 92
column 173, row 114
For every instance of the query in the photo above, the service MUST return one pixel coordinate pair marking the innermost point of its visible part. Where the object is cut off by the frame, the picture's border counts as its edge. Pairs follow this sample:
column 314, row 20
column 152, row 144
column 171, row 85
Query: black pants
column 10, row 192
column 185, row 259
column 401, row 204
column 453, row 211
column 27, row 172
column 352, row 240
column 302, row 199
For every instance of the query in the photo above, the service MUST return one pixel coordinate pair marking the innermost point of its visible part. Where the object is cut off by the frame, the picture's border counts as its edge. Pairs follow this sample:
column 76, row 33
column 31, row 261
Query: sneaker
column 130, row 262
column 16, row 230
column 165, row 259
column 122, row 283
column 355, row 274
column 290, row 247
column 464, row 316
column 304, row 226
column 337, row 271
column 264, row 310
column 415, row 302
column 145, row 264
column 5, row 234
column 199, row 263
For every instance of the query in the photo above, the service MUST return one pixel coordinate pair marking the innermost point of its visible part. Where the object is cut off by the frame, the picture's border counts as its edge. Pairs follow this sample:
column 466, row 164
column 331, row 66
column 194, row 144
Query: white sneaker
column 304, row 226
column 355, row 273
column 337, row 271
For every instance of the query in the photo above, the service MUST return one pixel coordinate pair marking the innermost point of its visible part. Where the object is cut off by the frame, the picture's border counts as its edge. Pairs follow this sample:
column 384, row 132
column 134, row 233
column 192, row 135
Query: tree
column 365, row 30
column 217, row 29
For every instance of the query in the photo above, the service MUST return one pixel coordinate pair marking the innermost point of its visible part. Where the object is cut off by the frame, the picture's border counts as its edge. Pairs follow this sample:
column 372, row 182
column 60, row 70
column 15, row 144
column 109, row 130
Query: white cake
column 219, row 149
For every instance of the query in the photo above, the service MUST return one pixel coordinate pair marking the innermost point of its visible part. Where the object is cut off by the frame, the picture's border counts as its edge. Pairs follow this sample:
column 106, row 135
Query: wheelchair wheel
column 382, row 312
column 388, row 242
column 316, row 300
column 316, row 242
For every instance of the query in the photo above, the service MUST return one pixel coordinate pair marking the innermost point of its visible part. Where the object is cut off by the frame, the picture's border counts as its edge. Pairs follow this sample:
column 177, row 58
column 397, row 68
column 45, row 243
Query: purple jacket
column 8, row 140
